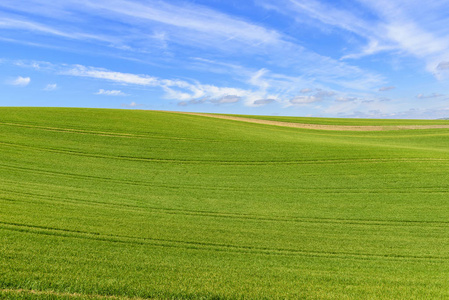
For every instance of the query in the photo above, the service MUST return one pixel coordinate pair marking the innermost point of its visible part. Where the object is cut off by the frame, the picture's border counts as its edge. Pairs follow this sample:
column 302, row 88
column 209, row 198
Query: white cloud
column 51, row 87
column 174, row 89
column 110, row 92
column 20, row 81
column 191, row 92
column 100, row 73
column 267, row 87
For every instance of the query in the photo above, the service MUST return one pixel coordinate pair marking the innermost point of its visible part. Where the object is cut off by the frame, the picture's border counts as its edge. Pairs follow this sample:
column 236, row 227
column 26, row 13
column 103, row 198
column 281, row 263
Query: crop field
column 121, row 204
column 345, row 121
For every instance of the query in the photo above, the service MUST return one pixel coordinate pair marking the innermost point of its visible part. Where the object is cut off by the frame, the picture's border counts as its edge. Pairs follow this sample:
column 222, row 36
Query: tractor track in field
column 31, row 198
column 152, row 184
column 318, row 126
column 147, row 136
column 221, row 162
column 209, row 246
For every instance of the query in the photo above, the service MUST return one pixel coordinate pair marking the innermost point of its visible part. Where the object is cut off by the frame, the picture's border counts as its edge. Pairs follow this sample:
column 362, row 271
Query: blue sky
column 342, row 58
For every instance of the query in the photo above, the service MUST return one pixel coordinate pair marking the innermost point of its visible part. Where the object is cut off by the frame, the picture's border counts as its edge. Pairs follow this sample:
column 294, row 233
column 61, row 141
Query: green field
column 346, row 121
column 142, row 204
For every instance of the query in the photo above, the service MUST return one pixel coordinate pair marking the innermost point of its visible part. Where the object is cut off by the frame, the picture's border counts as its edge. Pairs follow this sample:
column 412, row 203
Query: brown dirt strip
column 318, row 126
column 68, row 295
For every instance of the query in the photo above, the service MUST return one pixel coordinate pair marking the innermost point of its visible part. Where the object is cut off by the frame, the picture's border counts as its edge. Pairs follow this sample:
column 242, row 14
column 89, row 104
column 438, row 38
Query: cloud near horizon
column 175, row 89
column 263, row 56
column 131, row 105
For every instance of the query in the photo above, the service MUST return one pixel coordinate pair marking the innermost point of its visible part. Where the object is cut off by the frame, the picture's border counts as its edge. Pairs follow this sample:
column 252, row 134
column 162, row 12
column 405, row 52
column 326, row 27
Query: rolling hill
column 107, row 204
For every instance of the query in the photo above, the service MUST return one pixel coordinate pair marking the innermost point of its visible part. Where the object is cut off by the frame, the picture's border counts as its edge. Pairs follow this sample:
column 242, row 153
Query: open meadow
column 144, row 204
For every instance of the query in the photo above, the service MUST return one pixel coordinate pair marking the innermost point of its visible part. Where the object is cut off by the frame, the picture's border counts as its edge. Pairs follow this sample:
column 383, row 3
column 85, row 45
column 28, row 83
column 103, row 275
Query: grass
column 346, row 121
column 105, row 204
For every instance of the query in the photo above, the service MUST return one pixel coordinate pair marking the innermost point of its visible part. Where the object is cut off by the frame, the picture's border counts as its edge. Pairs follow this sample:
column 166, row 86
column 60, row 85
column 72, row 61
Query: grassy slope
column 153, row 204
column 346, row 121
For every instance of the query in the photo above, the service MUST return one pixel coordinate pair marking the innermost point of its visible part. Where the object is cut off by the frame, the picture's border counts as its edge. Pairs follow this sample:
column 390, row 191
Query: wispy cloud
column 229, row 99
column 9, row 23
column 400, row 27
column 311, row 56
column 175, row 89
column 136, row 29
column 347, row 99
column 431, row 96
column 110, row 92
column 184, row 24
column 20, row 81
column 51, row 87
column 386, row 88
column 366, row 107
column 265, row 86
column 194, row 18
column 83, row 71
column 267, row 90
column 307, row 99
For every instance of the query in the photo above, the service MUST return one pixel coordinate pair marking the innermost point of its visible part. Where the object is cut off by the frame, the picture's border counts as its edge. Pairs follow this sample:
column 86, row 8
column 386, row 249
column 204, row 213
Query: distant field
column 144, row 204
column 346, row 121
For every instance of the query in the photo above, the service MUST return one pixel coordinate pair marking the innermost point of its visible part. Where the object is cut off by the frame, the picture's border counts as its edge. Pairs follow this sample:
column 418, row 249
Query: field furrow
column 203, row 246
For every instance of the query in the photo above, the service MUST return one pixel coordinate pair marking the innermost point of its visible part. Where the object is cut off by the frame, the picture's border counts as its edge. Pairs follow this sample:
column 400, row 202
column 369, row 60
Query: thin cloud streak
column 8, row 23
column 51, row 87
column 195, row 27
column 174, row 89
column 207, row 54
column 20, row 81
column 110, row 92
column 396, row 27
